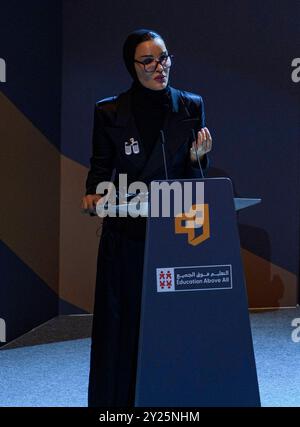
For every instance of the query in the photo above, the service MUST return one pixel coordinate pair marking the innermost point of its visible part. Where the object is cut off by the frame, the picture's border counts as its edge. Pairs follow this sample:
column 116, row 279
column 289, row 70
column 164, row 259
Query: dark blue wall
column 237, row 54
column 31, row 44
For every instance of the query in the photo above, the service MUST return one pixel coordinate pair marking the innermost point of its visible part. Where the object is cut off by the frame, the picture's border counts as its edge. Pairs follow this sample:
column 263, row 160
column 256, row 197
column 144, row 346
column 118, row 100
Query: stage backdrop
column 61, row 57
column 30, row 97
column 237, row 55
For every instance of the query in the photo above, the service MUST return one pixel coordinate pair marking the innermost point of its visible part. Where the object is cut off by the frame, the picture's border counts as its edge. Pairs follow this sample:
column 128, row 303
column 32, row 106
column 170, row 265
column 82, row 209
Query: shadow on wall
column 268, row 285
column 265, row 286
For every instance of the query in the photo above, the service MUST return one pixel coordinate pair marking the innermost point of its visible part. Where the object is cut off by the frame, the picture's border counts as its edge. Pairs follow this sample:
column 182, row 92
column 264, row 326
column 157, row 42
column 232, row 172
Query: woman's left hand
column 203, row 144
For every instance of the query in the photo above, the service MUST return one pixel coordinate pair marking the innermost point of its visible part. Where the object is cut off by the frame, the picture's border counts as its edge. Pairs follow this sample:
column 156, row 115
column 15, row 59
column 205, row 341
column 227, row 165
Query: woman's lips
column 160, row 78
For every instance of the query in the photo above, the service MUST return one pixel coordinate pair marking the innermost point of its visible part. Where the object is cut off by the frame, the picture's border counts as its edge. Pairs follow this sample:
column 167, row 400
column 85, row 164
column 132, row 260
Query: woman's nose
column 159, row 67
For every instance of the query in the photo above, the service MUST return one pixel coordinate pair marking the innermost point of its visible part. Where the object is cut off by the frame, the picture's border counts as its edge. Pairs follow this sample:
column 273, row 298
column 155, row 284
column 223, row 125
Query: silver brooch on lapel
column 131, row 147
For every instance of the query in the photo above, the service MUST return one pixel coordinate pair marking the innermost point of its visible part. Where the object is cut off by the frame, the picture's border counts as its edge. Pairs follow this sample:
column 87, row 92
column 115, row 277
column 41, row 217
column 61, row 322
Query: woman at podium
column 126, row 139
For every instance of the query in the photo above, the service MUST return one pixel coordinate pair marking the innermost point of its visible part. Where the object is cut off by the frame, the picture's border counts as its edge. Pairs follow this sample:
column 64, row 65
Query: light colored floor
column 56, row 374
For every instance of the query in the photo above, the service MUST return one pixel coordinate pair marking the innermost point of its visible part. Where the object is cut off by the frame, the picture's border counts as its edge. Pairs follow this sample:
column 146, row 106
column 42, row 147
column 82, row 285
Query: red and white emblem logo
column 165, row 279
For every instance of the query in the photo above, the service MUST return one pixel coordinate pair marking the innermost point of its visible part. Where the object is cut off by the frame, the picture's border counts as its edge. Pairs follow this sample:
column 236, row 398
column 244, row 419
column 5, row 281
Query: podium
column 127, row 208
column 195, row 344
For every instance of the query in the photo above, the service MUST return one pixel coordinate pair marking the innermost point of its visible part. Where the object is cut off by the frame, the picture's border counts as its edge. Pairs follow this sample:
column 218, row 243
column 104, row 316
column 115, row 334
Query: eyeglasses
column 150, row 64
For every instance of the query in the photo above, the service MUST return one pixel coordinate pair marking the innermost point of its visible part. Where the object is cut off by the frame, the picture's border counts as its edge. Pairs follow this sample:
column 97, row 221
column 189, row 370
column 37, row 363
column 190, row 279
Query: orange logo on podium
column 197, row 218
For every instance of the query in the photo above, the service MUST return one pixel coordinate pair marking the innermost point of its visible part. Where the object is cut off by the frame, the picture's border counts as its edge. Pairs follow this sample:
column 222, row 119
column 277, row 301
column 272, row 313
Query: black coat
column 114, row 125
column 120, row 258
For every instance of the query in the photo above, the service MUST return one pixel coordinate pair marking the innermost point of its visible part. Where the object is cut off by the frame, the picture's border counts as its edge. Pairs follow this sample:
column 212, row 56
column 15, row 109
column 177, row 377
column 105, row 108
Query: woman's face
column 144, row 52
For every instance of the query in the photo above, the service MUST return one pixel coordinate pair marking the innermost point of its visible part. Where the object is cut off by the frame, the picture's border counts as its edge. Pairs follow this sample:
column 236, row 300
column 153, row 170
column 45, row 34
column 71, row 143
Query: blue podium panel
column 195, row 344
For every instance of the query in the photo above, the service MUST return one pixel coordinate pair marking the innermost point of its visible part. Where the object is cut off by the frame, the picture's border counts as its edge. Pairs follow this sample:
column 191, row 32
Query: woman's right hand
column 89, row 202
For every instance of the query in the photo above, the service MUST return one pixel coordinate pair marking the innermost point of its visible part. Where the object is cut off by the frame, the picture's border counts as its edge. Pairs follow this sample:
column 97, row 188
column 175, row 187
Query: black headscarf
column 132, row 41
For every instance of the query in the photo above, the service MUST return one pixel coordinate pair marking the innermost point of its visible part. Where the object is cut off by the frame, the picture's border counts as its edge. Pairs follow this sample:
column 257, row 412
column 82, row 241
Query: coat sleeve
column 102, row 160
column 194, row 167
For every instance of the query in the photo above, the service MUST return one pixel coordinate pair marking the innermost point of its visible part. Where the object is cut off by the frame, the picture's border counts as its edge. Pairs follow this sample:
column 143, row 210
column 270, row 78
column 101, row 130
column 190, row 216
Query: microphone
column 197, row 154
column 162, row 136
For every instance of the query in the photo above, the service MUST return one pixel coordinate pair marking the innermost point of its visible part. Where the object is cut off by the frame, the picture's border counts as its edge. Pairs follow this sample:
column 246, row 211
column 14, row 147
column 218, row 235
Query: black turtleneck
column 149, row 109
